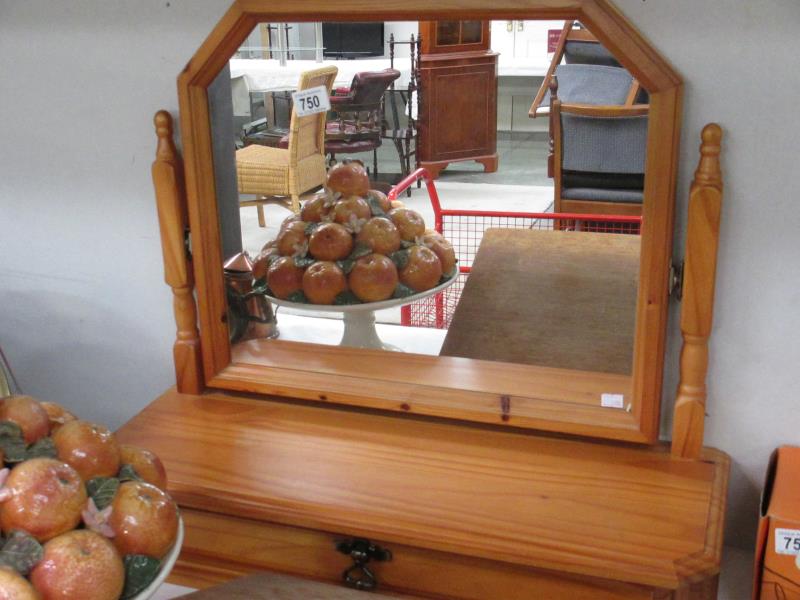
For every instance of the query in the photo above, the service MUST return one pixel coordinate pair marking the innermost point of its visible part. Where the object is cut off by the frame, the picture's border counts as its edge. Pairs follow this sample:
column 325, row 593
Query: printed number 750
column 312, row 102
column 792, row 542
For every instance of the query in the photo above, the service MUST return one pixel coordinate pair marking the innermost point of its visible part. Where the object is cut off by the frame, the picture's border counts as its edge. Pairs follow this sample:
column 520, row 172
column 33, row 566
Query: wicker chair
column 281, row 176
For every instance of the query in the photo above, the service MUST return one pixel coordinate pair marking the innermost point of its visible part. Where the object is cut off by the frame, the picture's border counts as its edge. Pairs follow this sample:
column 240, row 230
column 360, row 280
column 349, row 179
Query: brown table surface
column 272, row 586
column 550, row 298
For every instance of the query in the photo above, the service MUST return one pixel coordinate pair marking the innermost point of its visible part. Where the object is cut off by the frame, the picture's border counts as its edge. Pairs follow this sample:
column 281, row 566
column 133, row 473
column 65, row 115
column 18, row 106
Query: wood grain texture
column 233, row 547
column 610, row 27
column 631, row 515
column 499, row 393
column 550, row 298
column 702, row 241
column 173, row 222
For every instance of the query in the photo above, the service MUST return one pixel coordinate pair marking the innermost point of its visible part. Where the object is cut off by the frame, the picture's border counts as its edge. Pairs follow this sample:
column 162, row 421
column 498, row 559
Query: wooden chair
column 598, row 157
column 357, row 125
column 579, row 47
column 278, row 175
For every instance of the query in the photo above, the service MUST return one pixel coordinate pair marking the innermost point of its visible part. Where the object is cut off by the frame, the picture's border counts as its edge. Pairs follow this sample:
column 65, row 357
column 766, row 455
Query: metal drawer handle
column 362, row 551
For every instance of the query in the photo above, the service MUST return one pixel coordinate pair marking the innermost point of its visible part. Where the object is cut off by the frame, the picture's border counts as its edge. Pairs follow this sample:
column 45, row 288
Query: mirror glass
column 517, row 250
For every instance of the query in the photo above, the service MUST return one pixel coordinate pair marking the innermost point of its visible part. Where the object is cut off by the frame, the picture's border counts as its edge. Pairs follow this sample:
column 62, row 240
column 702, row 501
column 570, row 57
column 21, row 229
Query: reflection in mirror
column 524, row 250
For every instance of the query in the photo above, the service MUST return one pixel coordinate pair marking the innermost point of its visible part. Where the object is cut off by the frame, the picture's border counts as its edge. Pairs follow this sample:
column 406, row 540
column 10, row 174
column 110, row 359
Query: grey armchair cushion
column 603, row 195
column 603, row 144
column 591, row 84
column 588, row 53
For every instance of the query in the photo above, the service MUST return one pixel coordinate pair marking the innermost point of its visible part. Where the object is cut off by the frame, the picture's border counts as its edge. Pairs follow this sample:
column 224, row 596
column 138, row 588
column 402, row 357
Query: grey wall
column 86, row 319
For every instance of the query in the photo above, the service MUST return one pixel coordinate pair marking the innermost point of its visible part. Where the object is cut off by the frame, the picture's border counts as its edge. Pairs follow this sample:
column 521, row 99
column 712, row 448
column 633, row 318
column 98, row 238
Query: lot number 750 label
column 311, row 101
column 787, row 541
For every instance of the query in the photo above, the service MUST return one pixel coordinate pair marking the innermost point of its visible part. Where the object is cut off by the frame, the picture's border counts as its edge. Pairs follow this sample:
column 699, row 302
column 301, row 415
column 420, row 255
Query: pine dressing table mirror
column 438, row 476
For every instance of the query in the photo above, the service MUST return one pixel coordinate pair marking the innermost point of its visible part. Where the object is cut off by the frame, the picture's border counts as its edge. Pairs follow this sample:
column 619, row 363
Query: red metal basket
column 465, row 229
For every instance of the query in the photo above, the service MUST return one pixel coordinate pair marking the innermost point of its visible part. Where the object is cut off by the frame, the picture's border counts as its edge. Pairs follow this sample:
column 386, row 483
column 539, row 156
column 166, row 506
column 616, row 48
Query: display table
column 550, row 298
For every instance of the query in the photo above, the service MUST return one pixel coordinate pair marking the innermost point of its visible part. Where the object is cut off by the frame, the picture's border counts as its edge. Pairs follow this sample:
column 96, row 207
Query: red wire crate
column 465, row 228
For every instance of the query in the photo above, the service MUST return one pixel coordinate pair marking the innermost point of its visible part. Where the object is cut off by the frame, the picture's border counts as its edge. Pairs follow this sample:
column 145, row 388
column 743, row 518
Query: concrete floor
column 522, row 161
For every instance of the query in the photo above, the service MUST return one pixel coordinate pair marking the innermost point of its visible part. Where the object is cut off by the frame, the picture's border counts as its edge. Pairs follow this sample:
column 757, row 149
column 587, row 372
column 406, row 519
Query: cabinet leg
column 489, row 163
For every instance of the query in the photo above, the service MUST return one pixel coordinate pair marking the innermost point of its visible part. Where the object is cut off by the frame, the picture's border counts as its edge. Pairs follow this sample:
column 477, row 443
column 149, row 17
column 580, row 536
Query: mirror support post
column 173, row 222
column 702, row 239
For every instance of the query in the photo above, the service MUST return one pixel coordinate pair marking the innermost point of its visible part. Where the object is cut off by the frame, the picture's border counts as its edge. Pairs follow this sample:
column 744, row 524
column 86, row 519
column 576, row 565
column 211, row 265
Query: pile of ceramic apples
column 82, row 516
column 350, row 244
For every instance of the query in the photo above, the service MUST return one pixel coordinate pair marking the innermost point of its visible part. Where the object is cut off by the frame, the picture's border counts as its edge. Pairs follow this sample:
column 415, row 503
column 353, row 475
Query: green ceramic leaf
column 140, row 571
column 298, row 297
column 375, row 206
column 128, row 473
column 21, row 552
column 346, row 265
column 400, row 258
column 402, row 291
column 14, row 450
column 360, row 249
column 405, row 244
column 345, row 298
column 9, row 429
column 302, row 263
column 310, row 227
column 102, row 490
column 43, row 448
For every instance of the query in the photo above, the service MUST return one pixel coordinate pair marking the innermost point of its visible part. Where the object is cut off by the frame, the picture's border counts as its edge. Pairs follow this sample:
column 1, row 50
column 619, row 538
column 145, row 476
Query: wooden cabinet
column 458, row 81
column 466, row 512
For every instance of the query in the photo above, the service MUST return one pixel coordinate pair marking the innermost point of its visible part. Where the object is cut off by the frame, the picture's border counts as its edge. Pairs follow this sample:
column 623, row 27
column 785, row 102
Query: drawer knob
column 359, row 575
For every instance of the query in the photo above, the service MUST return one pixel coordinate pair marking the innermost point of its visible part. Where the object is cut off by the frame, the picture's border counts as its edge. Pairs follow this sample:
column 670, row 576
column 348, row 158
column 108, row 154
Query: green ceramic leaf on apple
column 21, row 552
column 140, row 571
column 102, row 490
column 128, row 473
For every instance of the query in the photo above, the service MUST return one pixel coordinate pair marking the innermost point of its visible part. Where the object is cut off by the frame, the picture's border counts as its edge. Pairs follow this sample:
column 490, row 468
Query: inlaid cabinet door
column 459, row 113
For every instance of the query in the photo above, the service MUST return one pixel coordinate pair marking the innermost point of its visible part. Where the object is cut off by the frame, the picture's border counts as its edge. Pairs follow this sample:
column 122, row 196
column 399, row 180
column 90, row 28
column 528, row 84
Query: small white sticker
column 612, row 400
column 311, row 101
column 787, row 541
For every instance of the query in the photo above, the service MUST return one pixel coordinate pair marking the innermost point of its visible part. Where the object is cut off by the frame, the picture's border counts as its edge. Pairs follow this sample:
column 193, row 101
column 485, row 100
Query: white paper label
column 311, row 101
column 612, row 400
column 787, row 541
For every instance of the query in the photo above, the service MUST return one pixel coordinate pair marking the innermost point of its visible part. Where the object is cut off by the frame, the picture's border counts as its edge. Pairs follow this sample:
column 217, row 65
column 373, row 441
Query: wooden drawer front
column 218, row 548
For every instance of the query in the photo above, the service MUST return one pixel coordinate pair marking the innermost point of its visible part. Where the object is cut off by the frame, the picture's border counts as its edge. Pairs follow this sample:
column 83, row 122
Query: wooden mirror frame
column 513, row 395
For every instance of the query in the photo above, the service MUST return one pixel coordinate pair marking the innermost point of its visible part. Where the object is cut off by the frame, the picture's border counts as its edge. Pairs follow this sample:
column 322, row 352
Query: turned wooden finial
column 173, row 223
column 708, row 171
column 165, row 149
column 702, row 238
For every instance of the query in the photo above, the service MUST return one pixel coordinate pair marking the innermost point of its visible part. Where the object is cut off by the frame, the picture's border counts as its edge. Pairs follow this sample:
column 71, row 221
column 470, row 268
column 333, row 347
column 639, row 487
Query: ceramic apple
column 28, row 414
column 79, row 564
column 146, row 464
column 42, row 496
column 143, row 519
column 90, row 449
column 14, row 586
column 58, row 415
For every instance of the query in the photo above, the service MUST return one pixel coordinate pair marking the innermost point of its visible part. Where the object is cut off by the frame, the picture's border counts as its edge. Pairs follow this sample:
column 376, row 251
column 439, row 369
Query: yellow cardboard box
column 777, row 570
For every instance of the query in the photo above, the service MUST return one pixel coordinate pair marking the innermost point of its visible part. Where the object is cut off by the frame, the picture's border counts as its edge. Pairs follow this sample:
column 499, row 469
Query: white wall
column 86, row 319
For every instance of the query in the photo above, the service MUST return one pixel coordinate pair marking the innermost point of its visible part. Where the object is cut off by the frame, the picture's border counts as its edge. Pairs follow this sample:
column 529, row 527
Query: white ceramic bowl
column 166, row 566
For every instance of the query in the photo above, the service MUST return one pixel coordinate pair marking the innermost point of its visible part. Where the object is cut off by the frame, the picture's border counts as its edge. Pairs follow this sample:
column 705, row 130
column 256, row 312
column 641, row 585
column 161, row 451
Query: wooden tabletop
column 631, row 514
column 272, row 586
column 550, row 298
